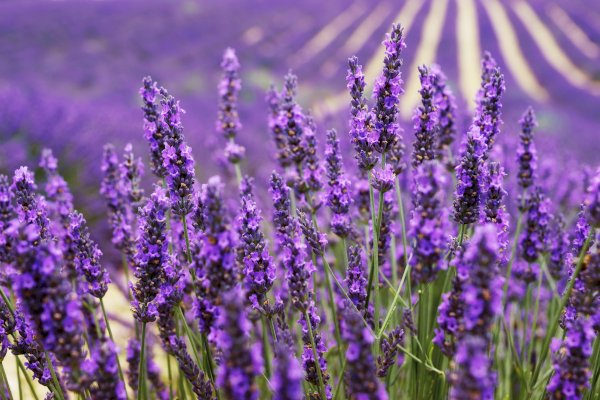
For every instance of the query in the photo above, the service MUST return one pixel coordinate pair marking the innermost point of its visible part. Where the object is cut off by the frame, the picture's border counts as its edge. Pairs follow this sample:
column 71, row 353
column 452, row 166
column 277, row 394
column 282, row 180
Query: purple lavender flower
column 489, row 108
column 356, row 281
column 482, row 288
column 362, row 122
column 450, row 319
column 388, row 88
column 88, row 256
column 385, row 233
column 218, row 271
column 571, row 361
column 338, row 196
column 257, row 265
column 361, row 373
column 119, row 217
column 592, row 200
column 559, row 246
column 177, row 157
column 154, row 131
column 241, row 361
column 384, row 178
column 390, row 353
column 229, row 122
column 200, row 385
column 273, row 99
column 445, row 104
column 131, row 172
column 472, row 377
column 105, row 371
column 57, row 190
column 31, row 208
column 7, row 215
column 308, row 355
column 317, row 241
column 287, row 375
column 312, row 167
column 534, row 238
column 428, row 222
column 526, row 153
column 51, row 305
column 468, row 175
column 425, row 120
column 151, row 256
column 494, row 210
column 291, row 120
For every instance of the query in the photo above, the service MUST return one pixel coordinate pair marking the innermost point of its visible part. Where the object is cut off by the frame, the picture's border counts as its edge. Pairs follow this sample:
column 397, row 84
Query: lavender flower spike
column 177, row 158
column 273, row 99
column 291, row 119
column 308, row 355
column 338, row 196
column 467, row 196
column 103, row 367
column 257, row 264
column 428, row 222
column 489, row 108
column 154, row 130
column 287, row 376
column 425, row 120
column 533, row 240
column 228, row 122
column 494, row 209
column 57, row 190
column 31, row 208
column 387, row 90
column 445, row 105
column 361, row 373
column 362, row 122
column 526, row 153
column 151, row 255
column 472, row 377
column 241, row 362
column 88, row 256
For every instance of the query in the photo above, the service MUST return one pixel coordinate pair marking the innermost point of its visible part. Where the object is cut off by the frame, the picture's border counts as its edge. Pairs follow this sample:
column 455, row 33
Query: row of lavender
column 449, row 301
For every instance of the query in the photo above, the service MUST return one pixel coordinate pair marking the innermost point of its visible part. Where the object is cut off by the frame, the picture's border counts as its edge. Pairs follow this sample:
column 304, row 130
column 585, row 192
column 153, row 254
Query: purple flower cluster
column 472, row 377
column 31, row 208
column 361, row 373
column 309, row 363
column 494, row 209
column 489, row 106
column 228, row 122
column 356, row 281
column 387, row 91
column 445, row 105
column 526, row 153
column 339, row 199
column 428, row 227
column 425, row 120
column 273, row 99
column 534, row 238
column 154, row 130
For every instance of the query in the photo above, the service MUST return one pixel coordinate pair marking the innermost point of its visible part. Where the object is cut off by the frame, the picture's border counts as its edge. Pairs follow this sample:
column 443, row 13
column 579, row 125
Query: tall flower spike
column 571, row 361
column 273, row 99
column 104, row 369
column 316, row 240
column 177, row 158
column 57, row 190
column 450, row 321
column 387, row 90
column 559, row 247
column 428, row 222
column 338, row 196
column 257, row 265
column 154, row 130
column 467, row 197
column 241, row 362
column 489, row 108
column 494, row 210
column 291, row 119
column 444, row 102
column 526, row 153
column 308, row 355
column 361, row 373
column 151, row 256
column 356, row 281
column 534, row 238
column 425, row 120
column 472, row 376
column 87, row 258
column 362, row 121
column 390, row 353
column 312, row 166
column 31, row 208
column 131, row 171
column 119, row 211
column 228, row 122
column 287, row 375
column 217, row 255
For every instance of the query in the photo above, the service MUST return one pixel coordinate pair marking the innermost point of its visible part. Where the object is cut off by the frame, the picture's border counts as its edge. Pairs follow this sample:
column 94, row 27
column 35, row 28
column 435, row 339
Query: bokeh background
column 70, row 72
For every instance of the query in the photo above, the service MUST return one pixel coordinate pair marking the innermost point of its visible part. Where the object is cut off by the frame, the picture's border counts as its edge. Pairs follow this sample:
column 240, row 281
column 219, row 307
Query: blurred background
column 71, row 70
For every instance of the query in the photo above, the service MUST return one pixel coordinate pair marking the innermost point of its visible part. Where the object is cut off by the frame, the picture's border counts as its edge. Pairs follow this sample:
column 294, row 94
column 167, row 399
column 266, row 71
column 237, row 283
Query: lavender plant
column 498, row 299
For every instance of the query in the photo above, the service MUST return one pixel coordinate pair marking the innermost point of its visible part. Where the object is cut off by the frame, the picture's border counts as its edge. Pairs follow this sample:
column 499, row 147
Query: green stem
column 402, row 221
column 5, row 379
column 536, row 308
column 19, row 382
column 188, row 333
column 315, row 355
column 141, row 391
column 27, row 378
column 170, row 376
column 338, row 336
column 57, row 388
column 265, row 340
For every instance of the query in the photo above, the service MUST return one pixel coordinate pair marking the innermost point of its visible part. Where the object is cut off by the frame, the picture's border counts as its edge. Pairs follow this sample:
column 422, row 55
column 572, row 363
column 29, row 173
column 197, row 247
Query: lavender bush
column 446, row 273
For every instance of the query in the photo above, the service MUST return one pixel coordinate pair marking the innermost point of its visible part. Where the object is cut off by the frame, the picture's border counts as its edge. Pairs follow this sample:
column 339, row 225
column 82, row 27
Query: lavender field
column 299, row 200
